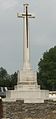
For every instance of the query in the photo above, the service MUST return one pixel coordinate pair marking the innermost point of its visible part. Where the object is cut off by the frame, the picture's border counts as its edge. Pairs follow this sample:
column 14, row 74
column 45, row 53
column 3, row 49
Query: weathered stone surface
column 1, row 109
column 21, row 110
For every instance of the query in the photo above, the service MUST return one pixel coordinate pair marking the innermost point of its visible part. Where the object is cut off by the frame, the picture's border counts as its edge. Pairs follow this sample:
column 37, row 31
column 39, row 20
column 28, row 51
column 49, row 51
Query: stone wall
column 21, row 110
column 1, row 109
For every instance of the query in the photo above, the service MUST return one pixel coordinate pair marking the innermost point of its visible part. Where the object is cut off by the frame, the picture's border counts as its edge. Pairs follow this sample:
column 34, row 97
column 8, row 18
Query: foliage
column 7, row 80
column 47, row 70
column 13, row 80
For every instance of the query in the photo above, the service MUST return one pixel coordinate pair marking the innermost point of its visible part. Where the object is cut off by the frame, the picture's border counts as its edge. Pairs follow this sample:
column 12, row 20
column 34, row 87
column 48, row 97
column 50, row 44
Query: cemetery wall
column 21, row 110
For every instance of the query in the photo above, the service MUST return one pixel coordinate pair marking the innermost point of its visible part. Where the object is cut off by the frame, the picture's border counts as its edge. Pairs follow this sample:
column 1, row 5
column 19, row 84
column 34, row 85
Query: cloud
column 6, row 4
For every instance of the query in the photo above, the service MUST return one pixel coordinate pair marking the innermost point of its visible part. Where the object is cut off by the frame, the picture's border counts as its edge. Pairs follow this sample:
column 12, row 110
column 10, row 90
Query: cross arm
column 31, row 16
column 20, row 15
column 23, row 15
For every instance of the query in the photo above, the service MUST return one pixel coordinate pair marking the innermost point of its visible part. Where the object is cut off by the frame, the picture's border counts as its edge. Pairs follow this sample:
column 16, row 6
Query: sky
column 42, row 32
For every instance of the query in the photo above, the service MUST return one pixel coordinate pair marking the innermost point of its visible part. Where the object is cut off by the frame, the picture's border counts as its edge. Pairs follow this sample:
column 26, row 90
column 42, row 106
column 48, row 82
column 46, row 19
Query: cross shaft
column 25, row 15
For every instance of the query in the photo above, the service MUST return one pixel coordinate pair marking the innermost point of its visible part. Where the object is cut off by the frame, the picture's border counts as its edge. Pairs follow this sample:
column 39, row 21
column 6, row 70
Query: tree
column 7, row 80
column 3, row 76
column 47, row 70
column 13, row 80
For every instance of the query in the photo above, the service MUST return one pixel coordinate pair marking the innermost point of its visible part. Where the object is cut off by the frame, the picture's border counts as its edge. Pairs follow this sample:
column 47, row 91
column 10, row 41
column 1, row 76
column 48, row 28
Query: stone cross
column 26, row 53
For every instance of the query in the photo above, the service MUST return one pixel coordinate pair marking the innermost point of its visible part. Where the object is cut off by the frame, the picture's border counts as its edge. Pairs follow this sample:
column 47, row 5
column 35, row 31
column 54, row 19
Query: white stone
column 52, row 95
column 27, row 88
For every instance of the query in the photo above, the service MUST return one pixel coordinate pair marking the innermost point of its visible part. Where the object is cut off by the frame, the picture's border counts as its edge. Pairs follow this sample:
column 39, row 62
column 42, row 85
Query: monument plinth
column 27, row 88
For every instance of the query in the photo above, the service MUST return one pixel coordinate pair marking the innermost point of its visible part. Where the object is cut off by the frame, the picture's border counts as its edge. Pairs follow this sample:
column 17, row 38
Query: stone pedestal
column 27, row 89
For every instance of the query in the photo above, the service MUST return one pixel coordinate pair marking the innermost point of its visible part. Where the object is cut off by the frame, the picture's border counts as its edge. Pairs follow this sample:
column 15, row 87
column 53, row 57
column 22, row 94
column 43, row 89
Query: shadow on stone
column 1, row 109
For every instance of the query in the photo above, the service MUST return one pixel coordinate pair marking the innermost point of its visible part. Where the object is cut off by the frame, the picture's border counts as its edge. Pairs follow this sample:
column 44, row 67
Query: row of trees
column 7, row 80
column 46, row 75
